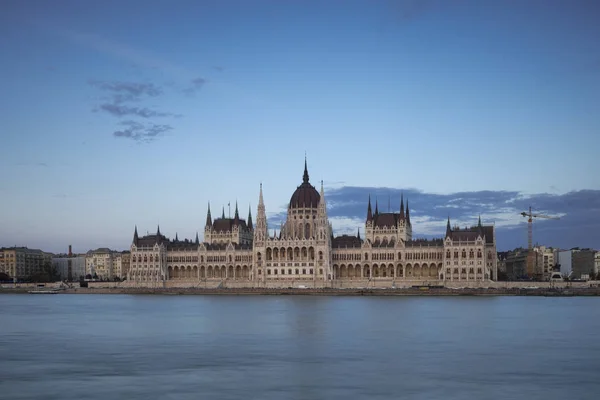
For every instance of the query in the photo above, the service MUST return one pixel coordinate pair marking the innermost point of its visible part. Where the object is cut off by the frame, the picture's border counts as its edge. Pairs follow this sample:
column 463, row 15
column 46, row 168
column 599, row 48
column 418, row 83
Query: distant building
column 584, row 262
column 516, row 264
column 565, row 261
column 22, row 262
column 70, row 267
column 305, row 248
column 544, row 261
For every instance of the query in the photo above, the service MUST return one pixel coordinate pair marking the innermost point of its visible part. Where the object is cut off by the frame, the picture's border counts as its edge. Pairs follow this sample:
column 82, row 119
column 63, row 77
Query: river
column 70, row 346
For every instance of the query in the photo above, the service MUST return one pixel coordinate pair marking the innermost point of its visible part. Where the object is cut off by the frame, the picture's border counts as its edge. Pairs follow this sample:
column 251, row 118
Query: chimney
column 70, row 252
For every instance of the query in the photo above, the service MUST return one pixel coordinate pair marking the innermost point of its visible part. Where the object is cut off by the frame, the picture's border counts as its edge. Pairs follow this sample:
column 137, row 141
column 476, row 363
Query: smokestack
column 70, row 252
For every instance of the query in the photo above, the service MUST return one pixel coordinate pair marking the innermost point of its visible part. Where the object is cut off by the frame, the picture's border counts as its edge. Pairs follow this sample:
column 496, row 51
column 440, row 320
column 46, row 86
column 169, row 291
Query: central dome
column 305, row 196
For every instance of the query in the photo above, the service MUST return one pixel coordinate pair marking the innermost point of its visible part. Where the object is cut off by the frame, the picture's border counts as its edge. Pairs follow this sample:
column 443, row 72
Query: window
column 289, row 271
column 321, row 271
column 303, row 271
column 268, row 272
column 311, row 271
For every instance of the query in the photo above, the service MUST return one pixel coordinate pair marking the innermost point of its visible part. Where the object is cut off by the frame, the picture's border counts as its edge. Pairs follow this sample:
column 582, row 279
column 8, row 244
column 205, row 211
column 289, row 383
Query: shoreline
column 546, row 292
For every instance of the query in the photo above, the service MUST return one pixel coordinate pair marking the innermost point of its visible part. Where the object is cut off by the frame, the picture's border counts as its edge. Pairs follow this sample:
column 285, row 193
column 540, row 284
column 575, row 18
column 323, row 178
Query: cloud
column 122, row 111
column 218, row 68
column 195, row 85
column 121, row 92
column 142, row 133
column 578, row 226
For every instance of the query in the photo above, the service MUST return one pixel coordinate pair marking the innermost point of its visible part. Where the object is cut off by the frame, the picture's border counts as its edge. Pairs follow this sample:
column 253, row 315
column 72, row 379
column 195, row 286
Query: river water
column 298, row 347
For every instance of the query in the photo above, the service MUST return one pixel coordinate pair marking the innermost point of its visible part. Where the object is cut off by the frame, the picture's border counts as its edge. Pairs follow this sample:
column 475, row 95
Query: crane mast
column 530, row 254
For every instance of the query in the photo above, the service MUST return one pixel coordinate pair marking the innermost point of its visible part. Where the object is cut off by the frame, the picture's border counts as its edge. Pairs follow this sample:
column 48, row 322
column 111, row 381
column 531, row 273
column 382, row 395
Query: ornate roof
column 226, row 224
column 305, row 196
column 346, row 241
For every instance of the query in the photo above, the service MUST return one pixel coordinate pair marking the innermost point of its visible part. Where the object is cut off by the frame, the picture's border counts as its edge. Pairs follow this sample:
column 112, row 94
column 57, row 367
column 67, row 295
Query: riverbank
column 424, row 291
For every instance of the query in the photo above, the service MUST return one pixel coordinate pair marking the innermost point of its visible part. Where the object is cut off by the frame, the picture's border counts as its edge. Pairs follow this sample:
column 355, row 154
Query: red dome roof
column 305, row 196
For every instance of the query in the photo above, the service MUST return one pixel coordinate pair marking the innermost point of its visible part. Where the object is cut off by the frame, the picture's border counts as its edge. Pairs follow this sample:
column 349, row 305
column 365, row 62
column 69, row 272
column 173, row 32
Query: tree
column 47, row 273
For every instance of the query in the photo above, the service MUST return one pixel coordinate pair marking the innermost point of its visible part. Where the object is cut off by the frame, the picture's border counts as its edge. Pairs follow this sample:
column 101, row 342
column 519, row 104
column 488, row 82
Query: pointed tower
column 369, row 212
column 305, row 176
column 260, row 232
column 358, row 234
column 249, row 222
column 197, row 239
column 376, row 208
column 223, row 214
column 208, row 218
column 402, row 216
column 407, row 213
column 158, row 230
column 135, row 236
column 176, row 238
column 448, row 228
column 479, row 222
column 236, row 218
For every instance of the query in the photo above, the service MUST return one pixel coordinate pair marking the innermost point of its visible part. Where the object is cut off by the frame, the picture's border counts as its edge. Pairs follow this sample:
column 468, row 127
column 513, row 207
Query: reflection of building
column 304, row 248
column 23, row 263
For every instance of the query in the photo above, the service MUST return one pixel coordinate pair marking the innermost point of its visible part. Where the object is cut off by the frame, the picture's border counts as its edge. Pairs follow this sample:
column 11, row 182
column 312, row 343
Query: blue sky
column 141, row 112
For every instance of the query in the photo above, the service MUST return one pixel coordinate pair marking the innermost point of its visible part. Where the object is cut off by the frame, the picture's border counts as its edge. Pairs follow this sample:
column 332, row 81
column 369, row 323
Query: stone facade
column 22, row 262
column 306, row 250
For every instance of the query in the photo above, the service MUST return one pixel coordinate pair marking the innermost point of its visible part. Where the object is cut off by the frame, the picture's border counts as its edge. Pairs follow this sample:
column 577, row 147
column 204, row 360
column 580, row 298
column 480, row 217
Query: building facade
column 23, row 263
column 304, row 248
column 107, row 264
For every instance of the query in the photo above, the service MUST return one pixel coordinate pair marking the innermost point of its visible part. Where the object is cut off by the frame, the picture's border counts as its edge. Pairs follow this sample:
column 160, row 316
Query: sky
column 115, row 114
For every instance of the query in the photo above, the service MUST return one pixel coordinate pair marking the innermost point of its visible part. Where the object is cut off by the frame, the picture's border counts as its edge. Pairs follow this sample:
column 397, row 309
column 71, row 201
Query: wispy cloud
column 142, row 133
column 122, row 111
column 121, row 92
column 195, row 85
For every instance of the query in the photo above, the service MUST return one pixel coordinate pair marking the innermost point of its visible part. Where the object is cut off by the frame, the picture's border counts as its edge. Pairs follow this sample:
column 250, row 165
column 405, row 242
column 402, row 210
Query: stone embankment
column 592, row 289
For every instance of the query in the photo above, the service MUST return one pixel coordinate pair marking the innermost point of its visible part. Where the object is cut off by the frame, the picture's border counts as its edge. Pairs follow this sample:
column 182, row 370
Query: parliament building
column 306, row 251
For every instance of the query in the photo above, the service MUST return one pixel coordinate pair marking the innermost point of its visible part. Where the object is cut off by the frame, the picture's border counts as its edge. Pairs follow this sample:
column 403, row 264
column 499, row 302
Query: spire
column 197, row 239
column 407, row 213
column 369, row 213
column 358, row 234
column 479, row 222
column 176, row 239
column 236, row 218
column 260, row 198
column 223, row 214
column 208, row 217
column 135, row 236
column 402, row 206
column 448, row 228
column 376, row 208
column 305, row 176
column 158, row 230
column 249, row 222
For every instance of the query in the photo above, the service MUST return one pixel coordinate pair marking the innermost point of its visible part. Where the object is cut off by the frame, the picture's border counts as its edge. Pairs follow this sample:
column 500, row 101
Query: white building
column 305, row 249
column 565, row 260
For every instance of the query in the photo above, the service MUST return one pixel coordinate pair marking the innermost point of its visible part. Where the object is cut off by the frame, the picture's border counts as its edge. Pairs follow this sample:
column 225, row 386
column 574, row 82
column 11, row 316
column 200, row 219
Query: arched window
column 447, row 253
column 471, row 254
column 479, row 255
column 464, row 253
column 307, row 231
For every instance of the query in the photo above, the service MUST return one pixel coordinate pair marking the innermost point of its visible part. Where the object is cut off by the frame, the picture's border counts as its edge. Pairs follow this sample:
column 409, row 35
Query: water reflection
column 180, row 347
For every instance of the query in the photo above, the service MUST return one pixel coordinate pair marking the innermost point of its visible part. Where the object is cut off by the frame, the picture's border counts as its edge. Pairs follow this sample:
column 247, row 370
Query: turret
column 305, row 176
column 208, row 217
column 358, row 234
column 402, row 206
column 197, row 239
column 250, row 218
column 407, row 213
column 376, row 208
column 176, row 238
column 236, row 218
column 448, row 228
column 158, row 230
column 135, row 236
column 369, row 212
column 223, row 214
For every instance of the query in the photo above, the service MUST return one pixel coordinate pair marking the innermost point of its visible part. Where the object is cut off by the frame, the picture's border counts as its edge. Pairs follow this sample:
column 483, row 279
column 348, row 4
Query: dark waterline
column 256, row 347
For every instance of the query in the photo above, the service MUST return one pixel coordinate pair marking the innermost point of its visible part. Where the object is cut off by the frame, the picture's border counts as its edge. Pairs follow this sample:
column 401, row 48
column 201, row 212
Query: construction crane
column 530, row 216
